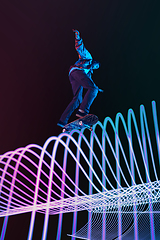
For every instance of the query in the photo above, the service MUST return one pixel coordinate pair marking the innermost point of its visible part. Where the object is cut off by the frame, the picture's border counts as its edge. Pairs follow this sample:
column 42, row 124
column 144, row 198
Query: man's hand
column 77, row 34
column 100, row 90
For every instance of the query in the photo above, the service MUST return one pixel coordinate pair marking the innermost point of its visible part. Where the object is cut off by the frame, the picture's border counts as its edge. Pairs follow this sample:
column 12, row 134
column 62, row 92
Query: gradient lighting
column 120, row 192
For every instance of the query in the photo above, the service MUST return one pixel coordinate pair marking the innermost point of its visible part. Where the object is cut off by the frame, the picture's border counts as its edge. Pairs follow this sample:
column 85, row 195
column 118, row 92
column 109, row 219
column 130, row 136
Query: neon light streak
column 22, row 173
column 156, row 127
column 59, row 229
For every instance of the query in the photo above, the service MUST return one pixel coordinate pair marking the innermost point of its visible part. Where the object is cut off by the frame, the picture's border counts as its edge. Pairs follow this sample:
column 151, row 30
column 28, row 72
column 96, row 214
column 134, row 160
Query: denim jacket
column 85, row 58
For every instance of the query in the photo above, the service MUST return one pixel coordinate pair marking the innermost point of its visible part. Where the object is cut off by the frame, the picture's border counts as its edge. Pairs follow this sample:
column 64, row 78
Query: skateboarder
column 80, row 77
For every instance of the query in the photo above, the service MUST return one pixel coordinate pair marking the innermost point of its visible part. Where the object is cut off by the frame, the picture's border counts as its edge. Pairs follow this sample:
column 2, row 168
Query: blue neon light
column 119, row 195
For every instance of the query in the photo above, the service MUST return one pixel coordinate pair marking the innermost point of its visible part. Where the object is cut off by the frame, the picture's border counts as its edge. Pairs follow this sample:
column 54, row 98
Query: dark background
column 37, row 48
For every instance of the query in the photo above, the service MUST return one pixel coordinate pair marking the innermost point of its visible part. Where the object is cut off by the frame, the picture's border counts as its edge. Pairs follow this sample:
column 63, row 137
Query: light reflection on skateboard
column 84, row 122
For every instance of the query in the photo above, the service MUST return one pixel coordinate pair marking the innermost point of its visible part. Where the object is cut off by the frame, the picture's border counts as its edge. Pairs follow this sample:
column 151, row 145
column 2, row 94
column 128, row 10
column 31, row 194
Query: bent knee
column 95, row 90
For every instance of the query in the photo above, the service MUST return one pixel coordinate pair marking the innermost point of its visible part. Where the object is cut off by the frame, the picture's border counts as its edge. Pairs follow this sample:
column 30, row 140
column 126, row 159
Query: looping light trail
column 116, row 162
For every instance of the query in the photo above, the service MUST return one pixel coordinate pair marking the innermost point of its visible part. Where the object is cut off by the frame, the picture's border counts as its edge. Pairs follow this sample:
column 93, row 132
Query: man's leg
column 87, row 83
column 77, row 99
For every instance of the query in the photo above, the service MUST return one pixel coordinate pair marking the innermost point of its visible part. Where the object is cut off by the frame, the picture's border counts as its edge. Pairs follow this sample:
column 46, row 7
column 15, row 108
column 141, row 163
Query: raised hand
column 77, row 34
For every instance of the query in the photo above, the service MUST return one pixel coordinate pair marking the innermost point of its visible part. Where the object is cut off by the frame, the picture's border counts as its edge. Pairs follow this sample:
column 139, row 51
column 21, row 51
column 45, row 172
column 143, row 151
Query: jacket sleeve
column 83, row 53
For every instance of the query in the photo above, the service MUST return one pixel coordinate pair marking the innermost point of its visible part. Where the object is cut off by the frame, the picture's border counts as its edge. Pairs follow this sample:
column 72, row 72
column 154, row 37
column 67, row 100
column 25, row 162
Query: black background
column 37, row 48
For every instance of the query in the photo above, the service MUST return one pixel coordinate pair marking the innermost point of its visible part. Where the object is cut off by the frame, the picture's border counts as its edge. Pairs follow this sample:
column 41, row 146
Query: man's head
column 95, row 64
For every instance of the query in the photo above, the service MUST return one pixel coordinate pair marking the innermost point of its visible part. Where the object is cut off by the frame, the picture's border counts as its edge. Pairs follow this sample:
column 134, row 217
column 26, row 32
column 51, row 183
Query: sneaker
column 61, row 124
column 80, row 113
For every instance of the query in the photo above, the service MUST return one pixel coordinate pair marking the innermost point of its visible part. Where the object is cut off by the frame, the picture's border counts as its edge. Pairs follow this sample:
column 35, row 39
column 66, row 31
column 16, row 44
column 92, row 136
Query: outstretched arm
column 83, row 53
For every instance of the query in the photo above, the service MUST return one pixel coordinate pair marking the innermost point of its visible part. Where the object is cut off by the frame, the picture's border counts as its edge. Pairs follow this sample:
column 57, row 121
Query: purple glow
column 21, row 180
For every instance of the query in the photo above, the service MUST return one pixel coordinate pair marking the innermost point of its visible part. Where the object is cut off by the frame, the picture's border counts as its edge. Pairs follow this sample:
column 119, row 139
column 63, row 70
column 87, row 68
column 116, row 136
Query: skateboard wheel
column 80, row 123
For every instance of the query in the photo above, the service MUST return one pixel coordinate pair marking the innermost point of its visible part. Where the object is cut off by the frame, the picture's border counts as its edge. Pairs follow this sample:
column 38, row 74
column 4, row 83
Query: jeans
column 79, row 80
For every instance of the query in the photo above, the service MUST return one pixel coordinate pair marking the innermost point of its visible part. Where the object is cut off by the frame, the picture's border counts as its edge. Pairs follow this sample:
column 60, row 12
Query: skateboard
column 84, row 122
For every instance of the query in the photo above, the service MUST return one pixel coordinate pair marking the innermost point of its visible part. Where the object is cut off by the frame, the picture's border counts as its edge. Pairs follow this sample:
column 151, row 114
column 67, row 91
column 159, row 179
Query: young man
column 80, row 77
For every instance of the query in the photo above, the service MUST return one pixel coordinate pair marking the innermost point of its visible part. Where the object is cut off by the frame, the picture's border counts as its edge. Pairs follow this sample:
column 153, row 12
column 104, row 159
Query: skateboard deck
column 84, row 122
